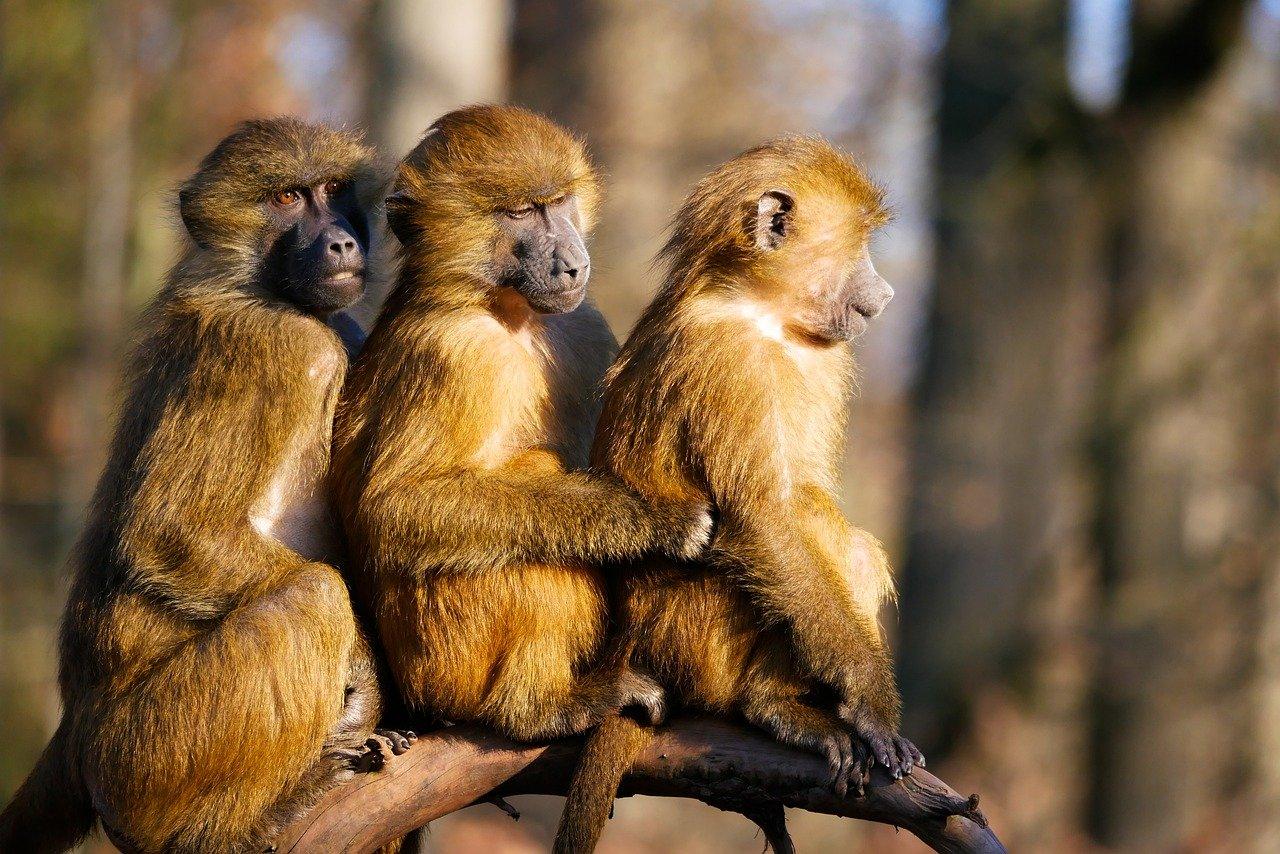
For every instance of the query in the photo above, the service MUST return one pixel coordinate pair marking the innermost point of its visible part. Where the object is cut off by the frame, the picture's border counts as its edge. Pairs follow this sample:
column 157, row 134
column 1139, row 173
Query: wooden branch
column 729, row 767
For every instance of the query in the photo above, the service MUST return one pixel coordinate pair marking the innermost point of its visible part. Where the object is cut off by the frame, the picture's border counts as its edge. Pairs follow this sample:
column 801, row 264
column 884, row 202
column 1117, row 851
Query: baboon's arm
column 209, row 422
column 472, row 521
column 235, row 566
column 796, row 585
column 773, row 534
column 442, row 488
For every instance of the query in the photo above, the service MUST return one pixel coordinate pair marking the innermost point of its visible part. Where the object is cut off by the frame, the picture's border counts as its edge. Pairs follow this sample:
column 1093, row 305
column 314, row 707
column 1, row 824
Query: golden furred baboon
column 463, row 432
column 213, row 679
column 733, row 386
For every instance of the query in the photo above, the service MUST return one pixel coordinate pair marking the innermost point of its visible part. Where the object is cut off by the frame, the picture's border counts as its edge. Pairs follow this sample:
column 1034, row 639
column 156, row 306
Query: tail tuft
column 608, row 754
column 771, row 818
column 51, row 812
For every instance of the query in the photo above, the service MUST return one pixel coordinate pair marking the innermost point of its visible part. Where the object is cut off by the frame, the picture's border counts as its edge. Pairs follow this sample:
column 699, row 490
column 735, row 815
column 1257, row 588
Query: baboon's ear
column 399, row 204
column 772, row 223
column 188, row 210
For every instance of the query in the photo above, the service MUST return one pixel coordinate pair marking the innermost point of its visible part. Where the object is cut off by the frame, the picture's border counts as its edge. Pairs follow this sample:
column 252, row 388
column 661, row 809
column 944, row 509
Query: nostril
column 559, row 267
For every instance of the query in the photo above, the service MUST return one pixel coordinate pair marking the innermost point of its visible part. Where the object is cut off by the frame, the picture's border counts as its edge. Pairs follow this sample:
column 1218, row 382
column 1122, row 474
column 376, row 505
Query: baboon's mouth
column 858, row 322
column 345, row 279
column 550, row 291
column 570, row 292
column 560, row 301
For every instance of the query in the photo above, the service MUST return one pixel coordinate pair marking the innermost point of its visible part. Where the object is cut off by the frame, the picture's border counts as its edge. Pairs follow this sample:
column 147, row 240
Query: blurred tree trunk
column 107, row 234
column 428, row 57
column 998, row 546
column 1096, row 462
column 656, row 87
column 1190, row 452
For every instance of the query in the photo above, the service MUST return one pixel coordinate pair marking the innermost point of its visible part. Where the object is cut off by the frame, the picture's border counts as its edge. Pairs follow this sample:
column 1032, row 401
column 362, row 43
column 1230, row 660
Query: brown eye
column 332, row 188
column 287, row 198
column 520, row 213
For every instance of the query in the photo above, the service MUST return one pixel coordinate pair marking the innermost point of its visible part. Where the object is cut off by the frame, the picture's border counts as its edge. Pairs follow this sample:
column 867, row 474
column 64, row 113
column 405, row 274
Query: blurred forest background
column 1069, row 423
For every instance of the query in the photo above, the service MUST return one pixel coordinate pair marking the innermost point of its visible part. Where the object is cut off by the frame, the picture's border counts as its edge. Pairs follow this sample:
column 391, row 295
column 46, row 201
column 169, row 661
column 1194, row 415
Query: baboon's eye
column 519, row 213
column 286, row 198
column 332, row 188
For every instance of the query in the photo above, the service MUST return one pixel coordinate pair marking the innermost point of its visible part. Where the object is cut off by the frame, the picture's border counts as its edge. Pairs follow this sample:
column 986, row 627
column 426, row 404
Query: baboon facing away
column 733, row 385
column 213, row 678
column 463, row 432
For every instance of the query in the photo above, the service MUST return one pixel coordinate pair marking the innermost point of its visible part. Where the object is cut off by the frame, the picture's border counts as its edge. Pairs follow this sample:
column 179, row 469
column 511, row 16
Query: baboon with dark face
column 213, row 678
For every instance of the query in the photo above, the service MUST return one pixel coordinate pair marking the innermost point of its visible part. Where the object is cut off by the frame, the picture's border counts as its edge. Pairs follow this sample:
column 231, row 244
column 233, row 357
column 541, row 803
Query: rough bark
column 725, row 766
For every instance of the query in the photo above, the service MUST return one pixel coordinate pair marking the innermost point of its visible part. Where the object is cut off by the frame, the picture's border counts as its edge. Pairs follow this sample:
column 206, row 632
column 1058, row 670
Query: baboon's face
column 282, row 203
column 317, row 241
column 821, row 251
column 541, row 254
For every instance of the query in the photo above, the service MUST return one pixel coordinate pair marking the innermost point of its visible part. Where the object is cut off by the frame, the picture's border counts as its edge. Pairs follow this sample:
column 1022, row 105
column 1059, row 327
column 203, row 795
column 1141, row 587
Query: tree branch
column 723, row 765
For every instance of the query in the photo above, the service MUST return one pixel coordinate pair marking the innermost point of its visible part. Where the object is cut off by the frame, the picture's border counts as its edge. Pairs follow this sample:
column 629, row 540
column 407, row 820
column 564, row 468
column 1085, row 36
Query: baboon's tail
column 607, row 756
column 51, row 812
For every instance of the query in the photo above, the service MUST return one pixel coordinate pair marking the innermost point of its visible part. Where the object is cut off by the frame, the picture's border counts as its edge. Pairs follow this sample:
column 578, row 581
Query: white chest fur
column 295, row 513
column 294, row 509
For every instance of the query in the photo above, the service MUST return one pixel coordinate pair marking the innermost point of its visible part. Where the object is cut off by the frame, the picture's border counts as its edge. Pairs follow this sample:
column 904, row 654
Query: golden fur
column 461, row 443
column 205, row 665
column 728, row 388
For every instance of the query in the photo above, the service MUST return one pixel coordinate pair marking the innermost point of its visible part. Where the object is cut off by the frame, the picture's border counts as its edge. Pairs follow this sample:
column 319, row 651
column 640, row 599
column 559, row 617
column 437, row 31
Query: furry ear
column 772, row 222
column 190, row 213
column 398, row 206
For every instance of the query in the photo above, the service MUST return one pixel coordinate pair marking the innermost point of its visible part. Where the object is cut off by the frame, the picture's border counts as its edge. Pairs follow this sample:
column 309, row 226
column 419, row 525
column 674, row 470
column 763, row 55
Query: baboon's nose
column 341, row 248
column 569, row 266
column 560, row 267
column 883, row 298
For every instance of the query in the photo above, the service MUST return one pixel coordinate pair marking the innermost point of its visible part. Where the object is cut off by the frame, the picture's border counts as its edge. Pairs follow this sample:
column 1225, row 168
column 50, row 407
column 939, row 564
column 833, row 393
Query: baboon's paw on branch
column 726, row 766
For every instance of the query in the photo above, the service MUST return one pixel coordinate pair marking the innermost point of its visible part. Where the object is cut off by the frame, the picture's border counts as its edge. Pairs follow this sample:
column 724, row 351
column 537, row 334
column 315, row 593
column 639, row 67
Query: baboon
column 462, row 436
column 733, row 385
column 213, row 679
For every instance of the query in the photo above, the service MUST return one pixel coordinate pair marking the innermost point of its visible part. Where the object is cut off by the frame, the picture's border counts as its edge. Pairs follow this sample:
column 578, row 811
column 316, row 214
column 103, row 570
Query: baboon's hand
column 400, row 740
column 638, row 691
column 688, row 526
column 849, row 761
column 891, row 750
column 369, row 757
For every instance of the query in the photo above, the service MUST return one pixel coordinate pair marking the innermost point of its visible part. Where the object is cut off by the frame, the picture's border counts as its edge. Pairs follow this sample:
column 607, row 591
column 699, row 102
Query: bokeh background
column 1069, row 422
